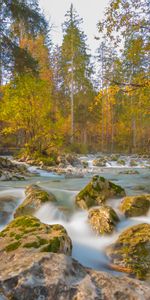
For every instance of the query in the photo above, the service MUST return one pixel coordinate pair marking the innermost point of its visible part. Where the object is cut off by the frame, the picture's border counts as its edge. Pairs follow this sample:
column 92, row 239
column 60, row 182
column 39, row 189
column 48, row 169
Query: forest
column 63, row 99
column 74, row 150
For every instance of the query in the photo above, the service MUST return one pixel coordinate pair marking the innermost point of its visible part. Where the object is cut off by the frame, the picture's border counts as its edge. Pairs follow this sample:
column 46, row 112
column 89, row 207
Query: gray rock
column 103, row 219
column 49, row 276
column 35, row 197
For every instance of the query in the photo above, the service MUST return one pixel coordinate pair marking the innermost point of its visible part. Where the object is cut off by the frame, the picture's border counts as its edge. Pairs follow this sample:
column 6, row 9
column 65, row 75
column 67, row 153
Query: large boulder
column 97, row 191
column 49, row 276
column 131, row 252
column 35, row 197
column 27, row 232
column 103, row 219
column 133, row 206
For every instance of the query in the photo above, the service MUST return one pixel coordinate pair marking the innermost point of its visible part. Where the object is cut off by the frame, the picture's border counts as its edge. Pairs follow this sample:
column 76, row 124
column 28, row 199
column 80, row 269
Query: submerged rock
column 29, row 233
column 51, row 276
column 134, row 206
column 97, row 191
column 129, row 172
column 35, row 197
column 103, row 219
column 131, row 252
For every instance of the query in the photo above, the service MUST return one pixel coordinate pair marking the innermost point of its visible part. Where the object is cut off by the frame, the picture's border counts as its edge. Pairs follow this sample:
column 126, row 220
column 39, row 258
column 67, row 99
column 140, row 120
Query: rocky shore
column 12, row 171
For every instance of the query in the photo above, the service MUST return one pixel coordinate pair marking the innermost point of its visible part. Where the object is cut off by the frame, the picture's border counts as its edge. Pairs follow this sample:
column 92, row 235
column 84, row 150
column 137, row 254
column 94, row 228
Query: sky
column 91, row 11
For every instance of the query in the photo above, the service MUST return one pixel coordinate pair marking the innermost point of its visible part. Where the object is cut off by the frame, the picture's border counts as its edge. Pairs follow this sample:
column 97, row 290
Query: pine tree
column 18, row 17
column 75, row 62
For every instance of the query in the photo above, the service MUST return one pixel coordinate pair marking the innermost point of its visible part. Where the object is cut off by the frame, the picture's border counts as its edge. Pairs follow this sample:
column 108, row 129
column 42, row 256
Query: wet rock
column 27, row 232
column 100, row 162
column 129, row 172
column 49, row 276
column 131, row 252
column 114, row 157
column 134, row 206
column 85, row 164
column 35, row 197
column 74, row 175
column 103, row 219
column 133, row 163
column 7, row 206
column 121, row 162
column 97, row 191
column 12, row 171
column 73, row 160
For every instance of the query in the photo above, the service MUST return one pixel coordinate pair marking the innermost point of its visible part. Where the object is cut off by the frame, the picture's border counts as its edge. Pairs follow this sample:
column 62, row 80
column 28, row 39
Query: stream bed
column 88, row 248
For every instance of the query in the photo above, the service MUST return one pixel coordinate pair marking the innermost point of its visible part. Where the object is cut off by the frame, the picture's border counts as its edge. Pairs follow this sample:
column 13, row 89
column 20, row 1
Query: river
column 88, row 248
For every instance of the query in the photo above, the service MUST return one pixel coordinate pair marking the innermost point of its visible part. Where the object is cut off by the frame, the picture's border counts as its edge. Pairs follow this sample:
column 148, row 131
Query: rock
column 11, row 171
column 27, row 232
column 51, row 276
column 73, row 160
column 133, row 163
column 121, row 162
column 114, row 157
column 97, row 191
column 74, row 175
column 103, row 219
column 35, row 197
column 100, row 162
column 134, row 206
column 130, row 172
column 85, row 164
column 131, row 252
column 7, row 206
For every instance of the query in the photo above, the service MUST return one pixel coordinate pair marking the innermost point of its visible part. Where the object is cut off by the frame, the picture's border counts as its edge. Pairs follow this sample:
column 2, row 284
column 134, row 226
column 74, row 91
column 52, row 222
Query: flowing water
column 88, row 248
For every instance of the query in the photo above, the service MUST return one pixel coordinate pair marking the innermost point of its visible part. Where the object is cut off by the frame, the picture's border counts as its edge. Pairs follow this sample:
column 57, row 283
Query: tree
column 75, row 62
column 18, row 17
column 124, row 68
column 26, row 110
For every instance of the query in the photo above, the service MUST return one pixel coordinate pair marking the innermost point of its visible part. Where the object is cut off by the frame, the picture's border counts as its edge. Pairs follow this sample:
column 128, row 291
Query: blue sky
column 91, row 11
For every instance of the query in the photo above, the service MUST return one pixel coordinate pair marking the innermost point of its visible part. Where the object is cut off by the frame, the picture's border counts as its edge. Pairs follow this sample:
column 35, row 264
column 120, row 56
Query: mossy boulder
column 100, row 162
column 131, row 252
column 103, row 219
column 29, row 233
column 134, row 206
column 97, row 191
column 35, row 197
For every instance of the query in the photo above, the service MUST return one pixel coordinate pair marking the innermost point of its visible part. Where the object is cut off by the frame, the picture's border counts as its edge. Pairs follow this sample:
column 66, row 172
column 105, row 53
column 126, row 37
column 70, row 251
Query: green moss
column 132, row 250
column 97, row 191
column 118, row 189
column 2, row 233
column 121, row 162
column 28, row 232
column 31, row 245
column 26, row 222
column 53, row 245
column 12, row 246
column 135, row 205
